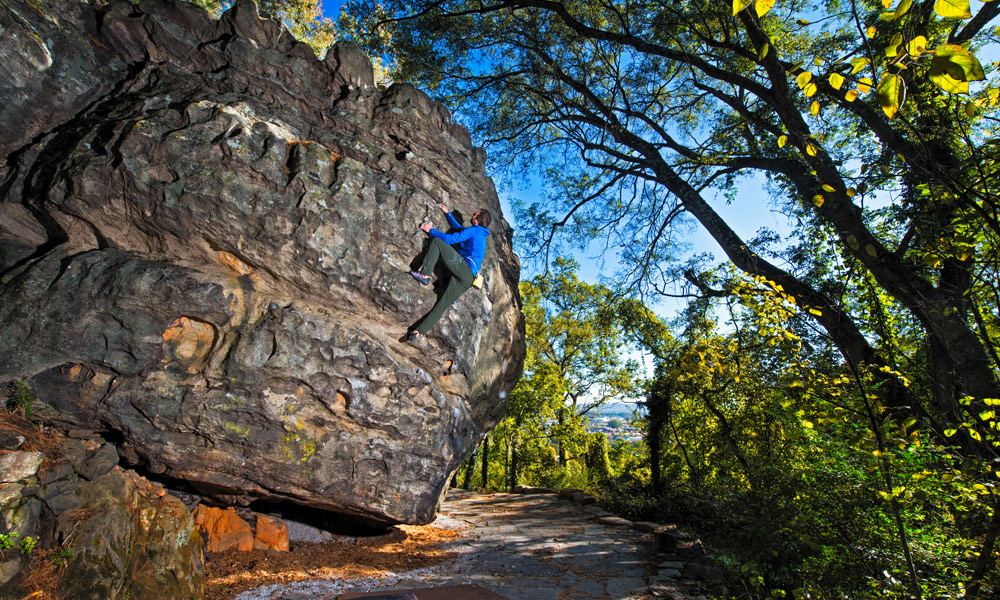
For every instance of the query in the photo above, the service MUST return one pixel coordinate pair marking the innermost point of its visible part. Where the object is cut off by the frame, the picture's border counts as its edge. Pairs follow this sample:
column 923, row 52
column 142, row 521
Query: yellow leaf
column 810, row 89
column 816, row 312
column 814, row 108
column 802, row 22
column 858, row 64
column 871, row 250
column 904, row 6
column 762, row 6
column 739, row 5
column 851, row 192
column 953, row 9
column 811, row 149
column 818, row 200
column 781, row 140
column 870, row 32
column 763, row 51
column 953, row 67
column 865, row 85
column 836, row 80
column 851, row 95
column 886, row 3
column 916, row 46
column 803, row 79
column 829, row 188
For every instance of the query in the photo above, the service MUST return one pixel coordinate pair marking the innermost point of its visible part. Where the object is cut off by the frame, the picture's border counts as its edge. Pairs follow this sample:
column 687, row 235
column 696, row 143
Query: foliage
column 9, row 541
column 574, row 364
column 303, row 18
column 855, row 375
column 22, row 398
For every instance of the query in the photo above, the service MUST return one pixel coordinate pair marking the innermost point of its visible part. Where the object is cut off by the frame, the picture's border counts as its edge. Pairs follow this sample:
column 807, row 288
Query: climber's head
column 482, row 217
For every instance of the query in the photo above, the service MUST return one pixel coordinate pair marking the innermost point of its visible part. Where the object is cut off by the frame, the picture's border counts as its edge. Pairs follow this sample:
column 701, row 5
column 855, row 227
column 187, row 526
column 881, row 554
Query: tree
column 868, row 125
column 575, row 363
column 639, row 110
column 303, row 18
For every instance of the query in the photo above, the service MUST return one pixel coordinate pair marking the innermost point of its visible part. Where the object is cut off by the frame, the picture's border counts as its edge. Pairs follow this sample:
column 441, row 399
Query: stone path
column 533, row 546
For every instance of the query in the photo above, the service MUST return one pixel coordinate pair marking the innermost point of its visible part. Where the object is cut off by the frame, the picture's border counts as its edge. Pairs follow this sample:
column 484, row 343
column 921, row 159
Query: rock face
column 205, row 234
column 81, row 527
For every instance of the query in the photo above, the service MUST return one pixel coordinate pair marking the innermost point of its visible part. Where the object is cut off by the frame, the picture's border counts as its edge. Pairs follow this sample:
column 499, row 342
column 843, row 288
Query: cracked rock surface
column 205, row 234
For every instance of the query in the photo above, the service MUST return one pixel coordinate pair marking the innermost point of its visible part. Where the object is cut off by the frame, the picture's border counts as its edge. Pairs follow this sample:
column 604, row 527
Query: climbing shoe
column 421, row 278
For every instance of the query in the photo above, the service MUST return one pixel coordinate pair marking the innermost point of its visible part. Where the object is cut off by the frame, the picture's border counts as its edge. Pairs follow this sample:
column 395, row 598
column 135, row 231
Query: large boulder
column 205, row 234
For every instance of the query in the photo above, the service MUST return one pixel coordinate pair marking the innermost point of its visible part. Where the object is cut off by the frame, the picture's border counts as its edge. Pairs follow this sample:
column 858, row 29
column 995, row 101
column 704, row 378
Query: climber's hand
column 443, row 208
column 426, row 227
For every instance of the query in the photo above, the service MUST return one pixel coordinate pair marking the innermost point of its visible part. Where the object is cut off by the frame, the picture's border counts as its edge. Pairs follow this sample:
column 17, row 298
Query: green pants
column 460, row 280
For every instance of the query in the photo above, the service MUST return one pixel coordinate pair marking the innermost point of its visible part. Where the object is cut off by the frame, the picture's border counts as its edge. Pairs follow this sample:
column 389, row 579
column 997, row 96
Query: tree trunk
column 470, row 471
column 486, row 463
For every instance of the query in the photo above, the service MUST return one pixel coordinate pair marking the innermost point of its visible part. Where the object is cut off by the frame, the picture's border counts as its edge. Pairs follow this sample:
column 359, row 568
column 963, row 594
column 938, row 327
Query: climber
column 463, row 264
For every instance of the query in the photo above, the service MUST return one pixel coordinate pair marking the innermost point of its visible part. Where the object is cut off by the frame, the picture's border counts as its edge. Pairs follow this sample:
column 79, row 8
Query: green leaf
column 903, row 7
column 858, row 64
column 763, row 51
column 891, row 94
column 950, row 432
column 957, row 62
column 892, row 50
column 953, row 9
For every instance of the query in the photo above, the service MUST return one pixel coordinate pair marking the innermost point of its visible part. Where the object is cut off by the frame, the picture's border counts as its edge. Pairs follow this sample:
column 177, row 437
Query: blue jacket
column 471, row 242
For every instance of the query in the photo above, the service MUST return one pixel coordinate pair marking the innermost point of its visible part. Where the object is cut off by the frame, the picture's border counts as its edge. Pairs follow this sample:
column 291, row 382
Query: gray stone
column 670, row 573
column 670, row 564
column 99, row 462
column 10, row 441
column 59, row 470
column 224, row 281
column 15, row 466
column 614, row 521
column 645, row 526
column 619, row 587
column 9, row 493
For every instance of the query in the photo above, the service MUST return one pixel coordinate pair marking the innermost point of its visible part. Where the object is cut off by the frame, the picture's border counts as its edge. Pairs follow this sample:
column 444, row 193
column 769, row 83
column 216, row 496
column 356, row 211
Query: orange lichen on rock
column 230, row 261
column 223, row 529
column 187, row 341
column 272, row 534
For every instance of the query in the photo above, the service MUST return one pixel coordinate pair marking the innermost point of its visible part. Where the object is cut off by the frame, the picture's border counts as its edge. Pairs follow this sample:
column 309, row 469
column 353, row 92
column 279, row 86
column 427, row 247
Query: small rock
column 614, row 521
column 272, row 534
column 15, row 466
column 58, row 471
column 646, row 526
column 81, row 434
column 10, row 441
column 224, row 529
column 98, row 462
column 666, row 539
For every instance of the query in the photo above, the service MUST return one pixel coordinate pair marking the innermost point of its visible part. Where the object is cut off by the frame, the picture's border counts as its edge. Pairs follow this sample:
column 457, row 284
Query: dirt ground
column 403, row 548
